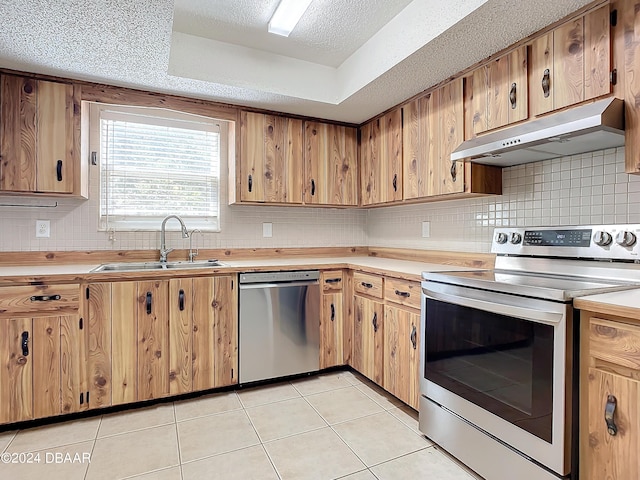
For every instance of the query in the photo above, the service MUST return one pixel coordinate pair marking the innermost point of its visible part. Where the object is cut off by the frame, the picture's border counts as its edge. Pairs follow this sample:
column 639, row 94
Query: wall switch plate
column 43, row 228
column 267, row 230
column 426, row 229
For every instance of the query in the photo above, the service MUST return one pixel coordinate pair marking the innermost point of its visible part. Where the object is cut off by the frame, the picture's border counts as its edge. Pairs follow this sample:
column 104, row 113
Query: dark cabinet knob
column 375, row 322
column 149, row 303
column 25, row 344
column 512, row 96
column 59, row 170
column 413, row 337
column 250, row 183
column 546, row 83
column 181, row 300
column 609, row 412
column 333, row 312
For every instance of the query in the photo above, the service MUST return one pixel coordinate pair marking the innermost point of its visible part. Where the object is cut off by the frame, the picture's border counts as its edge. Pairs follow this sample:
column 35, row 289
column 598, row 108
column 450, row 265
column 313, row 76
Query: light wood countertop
column 77, row 273
column 624, row 304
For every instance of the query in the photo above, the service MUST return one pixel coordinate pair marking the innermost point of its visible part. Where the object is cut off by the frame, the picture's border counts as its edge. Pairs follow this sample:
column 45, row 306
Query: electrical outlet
column 43, row 228
column 426, row 229
column 267, row 230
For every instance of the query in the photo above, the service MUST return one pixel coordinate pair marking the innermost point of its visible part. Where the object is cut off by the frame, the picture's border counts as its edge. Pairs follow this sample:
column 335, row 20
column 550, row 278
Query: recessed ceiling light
column 287, row 15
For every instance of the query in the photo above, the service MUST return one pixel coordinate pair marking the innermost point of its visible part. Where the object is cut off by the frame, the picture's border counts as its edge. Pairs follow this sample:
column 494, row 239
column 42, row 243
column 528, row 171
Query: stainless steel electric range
column 497, row 371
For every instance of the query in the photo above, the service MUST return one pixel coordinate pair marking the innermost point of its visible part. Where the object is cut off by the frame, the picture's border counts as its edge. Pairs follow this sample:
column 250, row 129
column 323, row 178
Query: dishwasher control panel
column 277, row 277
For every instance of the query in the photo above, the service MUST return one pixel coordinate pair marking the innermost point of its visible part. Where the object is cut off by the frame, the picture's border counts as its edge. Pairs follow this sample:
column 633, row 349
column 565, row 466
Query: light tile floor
column 335, row 425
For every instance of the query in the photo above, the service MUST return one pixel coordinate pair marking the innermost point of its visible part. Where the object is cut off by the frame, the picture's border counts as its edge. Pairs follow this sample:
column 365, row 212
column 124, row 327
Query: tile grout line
column 175, row 422
column 93, row 447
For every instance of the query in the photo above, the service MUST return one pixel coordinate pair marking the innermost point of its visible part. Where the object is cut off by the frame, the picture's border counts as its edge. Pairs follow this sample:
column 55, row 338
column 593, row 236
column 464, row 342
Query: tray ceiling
column 346, row 60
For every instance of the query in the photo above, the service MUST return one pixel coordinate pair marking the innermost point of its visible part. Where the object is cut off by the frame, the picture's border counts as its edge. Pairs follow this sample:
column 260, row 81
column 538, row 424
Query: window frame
column 166, row 117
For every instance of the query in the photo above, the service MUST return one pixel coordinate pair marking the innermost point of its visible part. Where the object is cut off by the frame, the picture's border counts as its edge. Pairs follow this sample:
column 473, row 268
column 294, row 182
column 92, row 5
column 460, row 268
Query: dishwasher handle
column 251, row 286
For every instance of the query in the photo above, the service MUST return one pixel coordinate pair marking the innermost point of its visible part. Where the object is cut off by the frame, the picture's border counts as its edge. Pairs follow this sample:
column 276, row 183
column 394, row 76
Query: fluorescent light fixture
column 287, row 16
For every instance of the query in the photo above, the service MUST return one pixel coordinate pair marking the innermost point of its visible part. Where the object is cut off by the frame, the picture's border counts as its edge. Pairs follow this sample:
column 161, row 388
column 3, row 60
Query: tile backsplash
column 582, row 189
column 590, row 188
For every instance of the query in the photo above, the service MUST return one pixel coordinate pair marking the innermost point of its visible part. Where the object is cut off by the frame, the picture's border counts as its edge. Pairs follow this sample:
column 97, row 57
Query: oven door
column 500, row 362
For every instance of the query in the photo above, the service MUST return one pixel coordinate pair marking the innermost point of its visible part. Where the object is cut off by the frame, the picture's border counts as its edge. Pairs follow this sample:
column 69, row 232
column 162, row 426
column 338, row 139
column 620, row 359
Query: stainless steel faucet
column 164, row 251
column 193, row 253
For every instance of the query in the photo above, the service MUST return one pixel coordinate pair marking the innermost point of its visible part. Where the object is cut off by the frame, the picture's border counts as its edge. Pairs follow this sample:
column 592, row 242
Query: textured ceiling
column 346, row 60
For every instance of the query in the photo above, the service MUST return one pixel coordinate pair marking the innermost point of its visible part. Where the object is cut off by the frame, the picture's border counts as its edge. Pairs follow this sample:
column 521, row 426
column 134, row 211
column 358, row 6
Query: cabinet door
column 73, row 364
column 370, row 162
column 18, row 108
column 225, row 330
column 330, row 164
column 180, row 335
column 368, row 338
column 613, row 456
column 381, row 159
column 401, row 354
column 124, row 326
column 419, row 148
column 568, row 64
column 498, row 92
column 331, row 330
column 541, row 75
column 55, row 138
column 391, row 165
column 204, row 345
column 597, row 53
column 153, row 340
column 99, row 344
column 271, row 158
column 45, row 348
column 16, row 374
column 38, row 139
column 450, row 127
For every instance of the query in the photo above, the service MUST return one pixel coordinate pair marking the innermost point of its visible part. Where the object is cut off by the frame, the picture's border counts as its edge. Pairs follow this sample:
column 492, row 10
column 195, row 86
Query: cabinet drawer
column 403, row 292
column 367, row 284
column 615, row 342
column 331, row 280
column 39, row 299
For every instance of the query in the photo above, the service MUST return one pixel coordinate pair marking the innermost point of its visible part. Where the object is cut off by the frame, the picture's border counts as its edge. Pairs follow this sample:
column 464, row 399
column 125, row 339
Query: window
column 156, row 162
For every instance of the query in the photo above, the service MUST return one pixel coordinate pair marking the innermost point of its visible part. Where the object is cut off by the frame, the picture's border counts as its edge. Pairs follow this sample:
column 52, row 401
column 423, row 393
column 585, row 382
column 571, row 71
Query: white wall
column 590, row 188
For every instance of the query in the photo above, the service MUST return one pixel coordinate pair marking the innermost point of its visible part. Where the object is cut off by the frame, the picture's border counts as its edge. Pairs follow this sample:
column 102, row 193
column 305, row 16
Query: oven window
column 502, row 364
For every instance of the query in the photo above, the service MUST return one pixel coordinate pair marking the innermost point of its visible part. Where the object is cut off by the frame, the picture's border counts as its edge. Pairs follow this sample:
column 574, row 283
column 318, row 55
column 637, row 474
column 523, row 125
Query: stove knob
column 501, row 238
column 515, row 238
column 602, row 239
column 625, row 239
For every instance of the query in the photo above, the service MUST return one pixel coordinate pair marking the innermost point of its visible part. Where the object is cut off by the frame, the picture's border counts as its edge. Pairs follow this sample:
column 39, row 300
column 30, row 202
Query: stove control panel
column 615, row 242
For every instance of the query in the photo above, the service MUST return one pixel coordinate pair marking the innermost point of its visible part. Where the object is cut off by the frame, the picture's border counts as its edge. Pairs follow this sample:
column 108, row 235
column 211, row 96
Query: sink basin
column 133, row 266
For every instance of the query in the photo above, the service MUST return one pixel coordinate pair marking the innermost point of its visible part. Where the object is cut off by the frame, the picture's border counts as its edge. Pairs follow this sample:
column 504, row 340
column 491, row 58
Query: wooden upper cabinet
column 381, row 159
column 449, row 105
column 499, row 93
column 572, row 63
column 419, row 148
column 330, row 159
column 39, row 136
column 270, row 159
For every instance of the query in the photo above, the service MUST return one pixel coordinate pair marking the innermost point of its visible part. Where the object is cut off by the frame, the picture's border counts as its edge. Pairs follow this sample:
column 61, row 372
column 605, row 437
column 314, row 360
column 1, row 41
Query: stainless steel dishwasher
column 279, row 324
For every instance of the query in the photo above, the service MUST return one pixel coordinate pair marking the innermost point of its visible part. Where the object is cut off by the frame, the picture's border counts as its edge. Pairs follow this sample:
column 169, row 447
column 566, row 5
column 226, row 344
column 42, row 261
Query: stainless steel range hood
column 594, row 126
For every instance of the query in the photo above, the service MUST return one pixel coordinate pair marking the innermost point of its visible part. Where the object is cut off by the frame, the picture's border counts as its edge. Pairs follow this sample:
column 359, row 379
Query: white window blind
column 158, row 164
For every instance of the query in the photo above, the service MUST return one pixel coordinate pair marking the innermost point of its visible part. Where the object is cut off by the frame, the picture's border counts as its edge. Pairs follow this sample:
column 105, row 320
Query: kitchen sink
column 133, row 266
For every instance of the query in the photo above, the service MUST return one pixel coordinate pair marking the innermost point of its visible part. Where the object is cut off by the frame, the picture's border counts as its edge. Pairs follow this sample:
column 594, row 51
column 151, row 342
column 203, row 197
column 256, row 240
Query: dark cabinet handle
column 395, row 182
column 609, row 411
column 313, row 187
column 333, row 312
column 25, row 344
column 546, row 82
column 413, row 337
column 181, row 300
column 59, row 170
column 250, row 183
column 453, row 171
column 403, row 294
column 512, row 95
column 366, row 285
column 375, row 322
column 44, row 298
column 149, row 299
column 333, row 280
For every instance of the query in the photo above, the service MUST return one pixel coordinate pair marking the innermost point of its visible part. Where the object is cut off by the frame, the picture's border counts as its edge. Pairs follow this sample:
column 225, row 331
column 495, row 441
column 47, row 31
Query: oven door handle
column 540, row 316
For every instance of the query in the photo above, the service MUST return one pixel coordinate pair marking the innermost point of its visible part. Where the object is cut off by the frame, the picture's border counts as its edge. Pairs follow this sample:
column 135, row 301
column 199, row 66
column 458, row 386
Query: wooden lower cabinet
column 401, row 354
column 331, row 330
column 610, row 376
column 368, row 338
column 150, row 339
column 43, row 367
